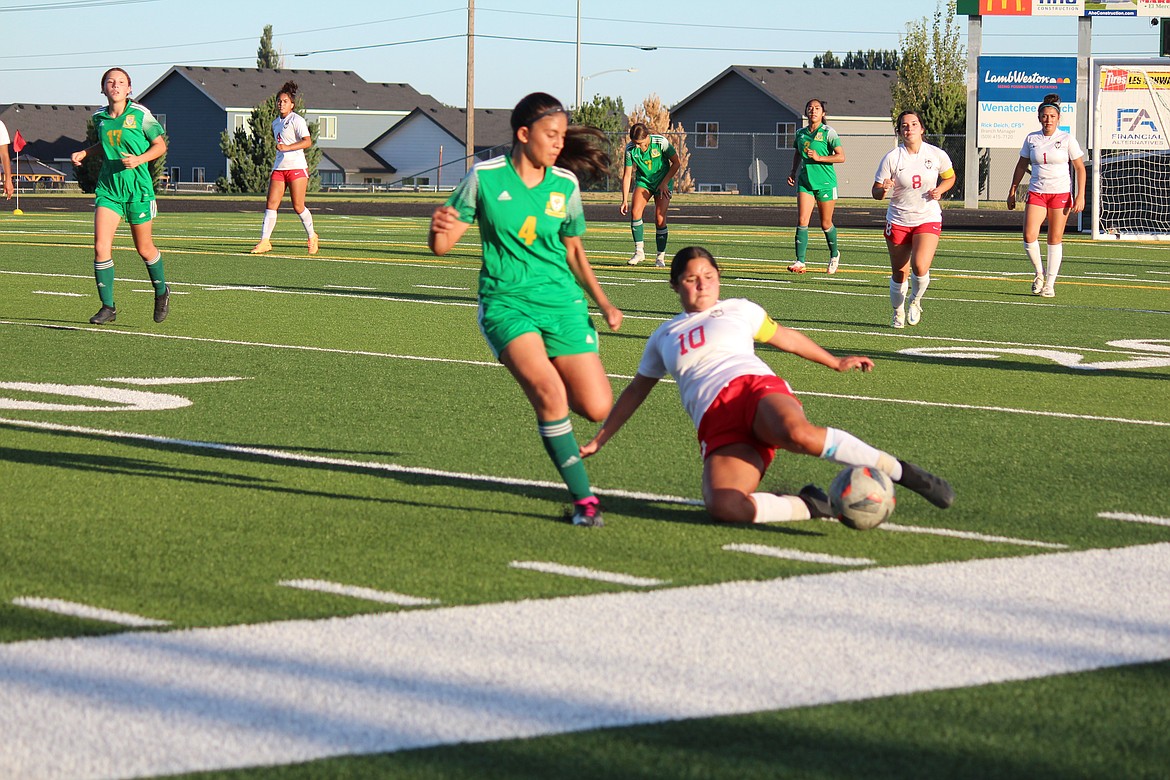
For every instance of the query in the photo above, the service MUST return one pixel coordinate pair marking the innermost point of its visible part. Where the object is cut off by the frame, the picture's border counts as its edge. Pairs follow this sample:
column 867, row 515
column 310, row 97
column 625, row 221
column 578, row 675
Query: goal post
column 1131, row 150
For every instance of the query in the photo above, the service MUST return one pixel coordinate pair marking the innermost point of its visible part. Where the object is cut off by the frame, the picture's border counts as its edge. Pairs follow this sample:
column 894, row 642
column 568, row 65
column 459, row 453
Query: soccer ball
column 862, row 497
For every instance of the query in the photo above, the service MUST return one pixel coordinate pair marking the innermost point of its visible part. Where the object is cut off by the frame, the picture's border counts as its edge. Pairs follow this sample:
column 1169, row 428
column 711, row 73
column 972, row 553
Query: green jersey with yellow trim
column 650, row 166
column 824, row 141
column 521, row 230
column 128, row 133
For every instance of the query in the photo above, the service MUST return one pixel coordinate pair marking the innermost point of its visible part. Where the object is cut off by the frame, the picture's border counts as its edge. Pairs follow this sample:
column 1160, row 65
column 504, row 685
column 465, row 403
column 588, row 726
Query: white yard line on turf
column 62, row 294
column 583, row 573
column 143, row 704
column 87, row 612
column 1132, row 518
column 798, row 555
column 357, row 592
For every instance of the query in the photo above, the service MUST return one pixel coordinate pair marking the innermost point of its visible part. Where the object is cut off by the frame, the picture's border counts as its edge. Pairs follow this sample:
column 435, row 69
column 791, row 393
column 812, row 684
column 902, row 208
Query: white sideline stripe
column 63, row 294
column 145, row 704
column 1132, row 518
column 971, row 536
column 582, row 573
column 798, row 555
column 349, row 287
column 99, row 330
column 441, row 287
column 357, row 592
column 170, row 380
column 73, row 609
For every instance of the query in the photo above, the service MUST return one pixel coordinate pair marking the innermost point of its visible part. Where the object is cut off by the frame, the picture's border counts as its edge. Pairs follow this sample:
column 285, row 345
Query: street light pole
column 579, row 79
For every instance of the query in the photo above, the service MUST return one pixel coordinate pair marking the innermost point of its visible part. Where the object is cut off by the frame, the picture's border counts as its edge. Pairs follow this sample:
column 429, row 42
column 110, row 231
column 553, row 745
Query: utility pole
column 470, row 83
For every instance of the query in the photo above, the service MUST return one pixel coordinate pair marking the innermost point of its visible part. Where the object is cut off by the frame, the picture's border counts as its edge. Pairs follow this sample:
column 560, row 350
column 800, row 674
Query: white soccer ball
column 861, row 497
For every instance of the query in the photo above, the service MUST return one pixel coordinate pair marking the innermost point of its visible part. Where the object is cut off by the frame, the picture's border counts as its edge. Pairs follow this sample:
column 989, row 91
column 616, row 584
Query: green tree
column 266, row 55
column 826, row 60
column 609, row 116
column 932, row 81
column 251, row 151
column 871, row 60
column 87, row 173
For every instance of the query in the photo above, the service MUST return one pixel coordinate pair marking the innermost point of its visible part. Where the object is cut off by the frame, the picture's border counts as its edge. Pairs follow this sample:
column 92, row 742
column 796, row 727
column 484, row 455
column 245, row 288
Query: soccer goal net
column 1131, row 152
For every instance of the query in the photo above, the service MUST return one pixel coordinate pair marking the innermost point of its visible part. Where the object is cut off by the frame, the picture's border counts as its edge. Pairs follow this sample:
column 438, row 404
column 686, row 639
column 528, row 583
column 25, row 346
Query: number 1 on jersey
column 528, row 230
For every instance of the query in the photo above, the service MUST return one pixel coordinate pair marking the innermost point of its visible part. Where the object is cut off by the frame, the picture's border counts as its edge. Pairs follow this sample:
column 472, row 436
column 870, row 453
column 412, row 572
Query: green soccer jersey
column 521, row 230
column 824, row 141
column 130, row 132
column 650, row 166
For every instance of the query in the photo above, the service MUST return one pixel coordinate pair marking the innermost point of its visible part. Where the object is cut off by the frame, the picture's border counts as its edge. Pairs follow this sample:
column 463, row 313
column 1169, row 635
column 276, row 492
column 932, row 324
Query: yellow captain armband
column 767, row 330
column 949, row 173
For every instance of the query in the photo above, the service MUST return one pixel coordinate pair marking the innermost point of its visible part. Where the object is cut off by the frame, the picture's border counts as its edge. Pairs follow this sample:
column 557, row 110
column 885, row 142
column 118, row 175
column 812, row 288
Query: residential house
column 52, row 132
column 741, row 125
column 429, row 147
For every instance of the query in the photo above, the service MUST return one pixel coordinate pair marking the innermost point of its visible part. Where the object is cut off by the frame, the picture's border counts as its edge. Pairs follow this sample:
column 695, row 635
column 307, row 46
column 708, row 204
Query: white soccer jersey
column 914, row 176
column 706, row 350
column 289, row 130
column 4, row 139
column 1050, row 156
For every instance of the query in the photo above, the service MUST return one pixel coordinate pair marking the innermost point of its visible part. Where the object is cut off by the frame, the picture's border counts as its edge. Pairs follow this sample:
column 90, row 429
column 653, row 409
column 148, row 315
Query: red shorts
column 730, row 417
column 290, row 175
column 900, row 234
column 1050, row 200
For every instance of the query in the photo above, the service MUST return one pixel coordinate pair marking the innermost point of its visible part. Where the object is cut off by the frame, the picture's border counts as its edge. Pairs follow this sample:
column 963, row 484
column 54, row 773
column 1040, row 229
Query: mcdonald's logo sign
column 994, row 7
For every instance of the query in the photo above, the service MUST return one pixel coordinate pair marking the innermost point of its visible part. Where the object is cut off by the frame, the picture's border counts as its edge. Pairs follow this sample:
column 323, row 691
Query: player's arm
column 303, row 141
column 837, row 156
column 7, row 165
column 627, row 403
column 583, row 272
column 796, row 343
column 627, row 179
column 883, row 180
column 671, row 172
column 78, row 157
column 1017, row 177
column 947, row 183
column 797, row 160
column 1079, row 171
column 157, row 148
column 446, row 230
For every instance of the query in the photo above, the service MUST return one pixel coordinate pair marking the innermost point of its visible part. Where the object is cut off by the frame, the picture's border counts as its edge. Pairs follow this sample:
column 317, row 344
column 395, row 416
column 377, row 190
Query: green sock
column 561, row 446
column 157, row 275
column 801, row 243
column 831, row 237
column 660, row 236
column 638, row 231
column 103, row 272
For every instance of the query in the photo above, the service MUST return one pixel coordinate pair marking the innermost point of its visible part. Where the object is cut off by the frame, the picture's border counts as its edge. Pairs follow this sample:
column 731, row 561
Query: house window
column 708, row 135
column 327, row 128
column 416, row 181
column 176, row 173
column 785, row 134
column 198, row 175
column 709, row 187
column 240, row 122
column 162, row 120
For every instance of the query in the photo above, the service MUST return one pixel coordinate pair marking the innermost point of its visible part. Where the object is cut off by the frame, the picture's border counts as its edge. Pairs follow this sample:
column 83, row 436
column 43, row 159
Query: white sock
column 1033, row 250
column 307, row 221
column 639, row 247
column 848, row 450
column 918, row 285
column 771, row 508
column 269, row 224
column 1055, row 255
column 898, row 293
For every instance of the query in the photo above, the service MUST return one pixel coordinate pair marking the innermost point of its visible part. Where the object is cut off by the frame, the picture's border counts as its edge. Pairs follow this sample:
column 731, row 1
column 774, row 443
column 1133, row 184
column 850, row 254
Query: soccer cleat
column 899, row 320
column 264, row 246
column 587, row 513
column 637, row 258
column 314, row 244
column 913, row 314
column 105, row 314
column 660, row 261
column 934, row 489
column 796, row 268
column 816, row 500
column 834, row 261
column 162, row 305
column 1047, row 292
column 1038, row 284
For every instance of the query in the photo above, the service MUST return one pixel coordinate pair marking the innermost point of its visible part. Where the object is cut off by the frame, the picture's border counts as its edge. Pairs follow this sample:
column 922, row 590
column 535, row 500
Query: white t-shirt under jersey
column 4, row 139
column 914, row 176
column 289, row 130
column 704, row 351
column 1050, row 156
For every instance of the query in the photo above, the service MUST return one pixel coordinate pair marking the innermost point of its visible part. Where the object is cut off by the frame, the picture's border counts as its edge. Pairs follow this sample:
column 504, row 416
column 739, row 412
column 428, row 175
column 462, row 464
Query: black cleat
column 816, row 500
column 587, row 515
column 105, row 315
column 934, row 489
column 162, row 305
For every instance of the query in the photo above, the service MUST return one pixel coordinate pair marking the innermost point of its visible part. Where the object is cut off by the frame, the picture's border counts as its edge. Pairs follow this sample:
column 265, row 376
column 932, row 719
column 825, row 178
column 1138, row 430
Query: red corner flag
column 18, row 142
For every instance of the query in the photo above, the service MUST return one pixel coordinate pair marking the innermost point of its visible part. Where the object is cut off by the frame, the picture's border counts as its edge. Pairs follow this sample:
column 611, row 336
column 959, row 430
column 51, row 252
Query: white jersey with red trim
column 289, row 130
column 1050, row 156
column 914, row 175
column 705, row 350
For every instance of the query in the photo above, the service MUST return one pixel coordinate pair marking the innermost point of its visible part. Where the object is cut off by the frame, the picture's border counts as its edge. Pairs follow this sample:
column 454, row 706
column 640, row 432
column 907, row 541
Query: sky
column 52, row 56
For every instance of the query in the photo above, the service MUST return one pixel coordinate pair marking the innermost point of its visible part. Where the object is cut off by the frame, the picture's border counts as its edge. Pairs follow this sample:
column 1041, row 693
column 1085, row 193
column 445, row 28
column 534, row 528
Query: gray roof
column 846, row 93
column 493, row 126
column 356, row 160
column 322, row 90
column 53, row 132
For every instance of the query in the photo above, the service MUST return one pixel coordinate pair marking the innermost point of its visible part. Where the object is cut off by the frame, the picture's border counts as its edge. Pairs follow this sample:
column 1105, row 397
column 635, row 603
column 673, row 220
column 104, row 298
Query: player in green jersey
column 651, row 165
column 129, row 137
column 818, row 148
column 535, row 275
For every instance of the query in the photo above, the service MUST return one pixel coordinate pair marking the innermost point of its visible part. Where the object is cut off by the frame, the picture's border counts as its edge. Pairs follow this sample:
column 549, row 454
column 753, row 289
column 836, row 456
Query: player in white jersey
column 290, row 168
column 7, row 165
column 1050, row 151
column 742, row 410
column 915, row 176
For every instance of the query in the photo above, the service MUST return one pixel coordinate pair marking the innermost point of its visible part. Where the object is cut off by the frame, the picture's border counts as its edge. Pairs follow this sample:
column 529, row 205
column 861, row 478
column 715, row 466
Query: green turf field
column 340, row 419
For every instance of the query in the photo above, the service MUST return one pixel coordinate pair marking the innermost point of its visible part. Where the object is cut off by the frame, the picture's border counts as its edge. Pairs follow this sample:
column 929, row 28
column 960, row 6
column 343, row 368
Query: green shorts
column 137, row 212
column 821, row 195
column 565, row 328
column 652, row 187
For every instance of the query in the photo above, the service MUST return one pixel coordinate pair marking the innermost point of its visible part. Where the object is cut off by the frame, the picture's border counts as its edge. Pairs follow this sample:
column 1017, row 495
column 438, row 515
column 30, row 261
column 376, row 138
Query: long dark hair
column 290, row 89
column 584, row 151
column 686, row 255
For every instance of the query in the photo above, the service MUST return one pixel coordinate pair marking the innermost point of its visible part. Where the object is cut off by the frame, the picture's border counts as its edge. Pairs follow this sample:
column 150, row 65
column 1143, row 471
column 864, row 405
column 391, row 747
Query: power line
column 72, row 4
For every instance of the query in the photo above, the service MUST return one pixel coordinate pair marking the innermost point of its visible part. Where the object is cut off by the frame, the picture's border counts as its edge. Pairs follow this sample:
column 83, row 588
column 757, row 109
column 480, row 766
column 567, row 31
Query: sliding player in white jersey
column 915, row 176
column 1050, row 151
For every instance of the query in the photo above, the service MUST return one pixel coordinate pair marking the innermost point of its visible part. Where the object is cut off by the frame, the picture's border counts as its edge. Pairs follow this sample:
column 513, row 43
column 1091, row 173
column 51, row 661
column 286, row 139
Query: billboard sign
column 1132, row 106
column 1011, row 90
